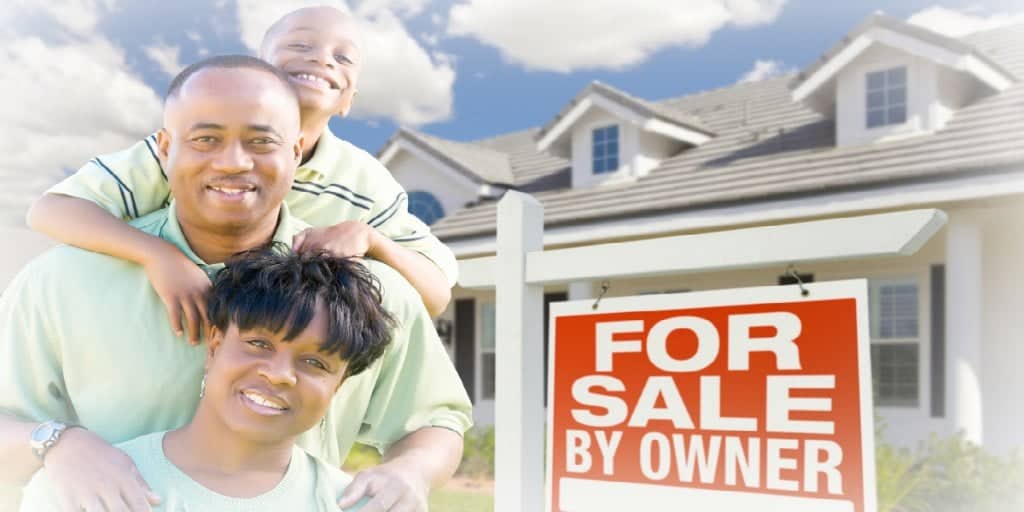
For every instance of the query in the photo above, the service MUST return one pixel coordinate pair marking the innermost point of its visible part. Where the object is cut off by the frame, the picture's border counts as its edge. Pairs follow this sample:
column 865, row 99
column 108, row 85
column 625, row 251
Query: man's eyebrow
column 264, row 128
column 206, row 126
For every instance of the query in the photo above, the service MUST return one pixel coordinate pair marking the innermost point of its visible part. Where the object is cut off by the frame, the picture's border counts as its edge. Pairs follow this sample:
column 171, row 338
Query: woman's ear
column 213, row 340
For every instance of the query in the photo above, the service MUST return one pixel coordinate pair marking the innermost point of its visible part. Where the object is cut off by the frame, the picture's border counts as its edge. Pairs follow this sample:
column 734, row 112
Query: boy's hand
column 182, row 286
column 342, row 240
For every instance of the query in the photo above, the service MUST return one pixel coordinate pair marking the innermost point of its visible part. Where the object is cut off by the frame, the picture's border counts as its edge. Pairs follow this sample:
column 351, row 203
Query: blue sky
column 85, row 76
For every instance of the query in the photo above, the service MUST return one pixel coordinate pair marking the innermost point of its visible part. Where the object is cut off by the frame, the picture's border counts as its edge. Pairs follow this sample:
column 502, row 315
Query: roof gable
column 481, row 165
column 651, row 117
column 810, row 85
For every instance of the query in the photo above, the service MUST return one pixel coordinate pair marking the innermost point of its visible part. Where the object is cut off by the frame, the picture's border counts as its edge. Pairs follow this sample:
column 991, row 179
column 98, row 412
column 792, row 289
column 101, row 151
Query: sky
column 86, row 77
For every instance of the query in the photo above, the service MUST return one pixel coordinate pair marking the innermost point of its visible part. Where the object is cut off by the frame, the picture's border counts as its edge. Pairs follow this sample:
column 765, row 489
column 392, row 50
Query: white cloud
column 400, row 81
column 956, row 23
column 599, row 34
column 166, row 57
column 406, row 8
column 764, row 69
column 62, row 104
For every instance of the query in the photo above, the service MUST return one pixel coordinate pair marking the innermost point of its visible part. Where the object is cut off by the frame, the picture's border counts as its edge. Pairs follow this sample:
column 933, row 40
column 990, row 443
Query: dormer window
column 425, row 206
column 886, row 97
column 605, row 143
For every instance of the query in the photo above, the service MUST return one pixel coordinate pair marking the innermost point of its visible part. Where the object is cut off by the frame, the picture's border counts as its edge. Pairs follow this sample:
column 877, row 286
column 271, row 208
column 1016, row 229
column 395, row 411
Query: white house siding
column 1002, row 344
column 922, row 95
column 453, row 192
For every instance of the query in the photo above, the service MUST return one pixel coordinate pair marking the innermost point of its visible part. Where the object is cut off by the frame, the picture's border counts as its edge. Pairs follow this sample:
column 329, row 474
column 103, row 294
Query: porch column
column 963, row 327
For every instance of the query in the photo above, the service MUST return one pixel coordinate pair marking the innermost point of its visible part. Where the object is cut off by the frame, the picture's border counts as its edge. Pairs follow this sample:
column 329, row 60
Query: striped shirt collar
column 326, row 155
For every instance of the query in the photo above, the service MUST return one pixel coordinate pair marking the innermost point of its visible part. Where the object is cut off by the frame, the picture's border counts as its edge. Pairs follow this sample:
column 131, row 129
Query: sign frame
column 845, row 289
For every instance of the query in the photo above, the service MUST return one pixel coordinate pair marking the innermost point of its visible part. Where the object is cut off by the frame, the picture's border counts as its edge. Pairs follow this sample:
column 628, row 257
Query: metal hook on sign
column 604, row 289
column 791, row 271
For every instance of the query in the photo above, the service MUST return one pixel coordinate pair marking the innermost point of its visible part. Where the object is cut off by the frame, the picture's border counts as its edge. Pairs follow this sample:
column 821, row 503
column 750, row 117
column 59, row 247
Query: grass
column 452, row 500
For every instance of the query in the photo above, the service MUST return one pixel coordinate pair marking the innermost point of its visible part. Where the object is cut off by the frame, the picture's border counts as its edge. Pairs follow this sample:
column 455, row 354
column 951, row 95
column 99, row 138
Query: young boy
column 287, row 330
column 356, row 206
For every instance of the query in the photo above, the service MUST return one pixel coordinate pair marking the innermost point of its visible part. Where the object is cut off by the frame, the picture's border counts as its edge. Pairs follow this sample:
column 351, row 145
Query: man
column 85, row 340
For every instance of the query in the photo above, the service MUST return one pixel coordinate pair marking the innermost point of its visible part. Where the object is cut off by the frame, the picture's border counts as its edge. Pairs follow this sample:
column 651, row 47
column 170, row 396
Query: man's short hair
column 275, row 289
column 230, row 62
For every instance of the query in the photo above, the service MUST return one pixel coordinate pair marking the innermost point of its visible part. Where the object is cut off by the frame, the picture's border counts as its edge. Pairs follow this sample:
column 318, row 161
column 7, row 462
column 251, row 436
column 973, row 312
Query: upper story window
column 425, row 206
column 886, row 97
column 605, row 144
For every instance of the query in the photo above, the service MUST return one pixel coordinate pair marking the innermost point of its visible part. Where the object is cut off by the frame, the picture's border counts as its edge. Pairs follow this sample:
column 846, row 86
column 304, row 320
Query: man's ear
column 163, row 145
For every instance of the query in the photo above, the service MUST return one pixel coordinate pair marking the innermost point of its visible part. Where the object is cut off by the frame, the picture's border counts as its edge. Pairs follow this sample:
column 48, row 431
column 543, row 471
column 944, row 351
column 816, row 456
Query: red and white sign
column 749, row 399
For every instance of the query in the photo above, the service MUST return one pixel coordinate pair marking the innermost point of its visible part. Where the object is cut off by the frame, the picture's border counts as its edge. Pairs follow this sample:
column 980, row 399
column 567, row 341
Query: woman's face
column 267, row 389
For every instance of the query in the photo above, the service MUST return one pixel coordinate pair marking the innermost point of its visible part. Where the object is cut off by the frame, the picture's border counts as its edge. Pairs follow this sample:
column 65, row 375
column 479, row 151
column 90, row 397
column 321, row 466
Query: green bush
column 947, row 475
column 478, row 453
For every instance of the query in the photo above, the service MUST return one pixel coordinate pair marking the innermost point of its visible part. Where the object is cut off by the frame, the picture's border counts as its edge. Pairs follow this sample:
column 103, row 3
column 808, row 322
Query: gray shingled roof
column 478, row 163
column 920, row 33
column 640, row 106
column 768, row 146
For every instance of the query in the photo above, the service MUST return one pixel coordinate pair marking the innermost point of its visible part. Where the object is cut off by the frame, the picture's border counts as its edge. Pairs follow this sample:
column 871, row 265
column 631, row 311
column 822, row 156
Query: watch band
column 52, row 430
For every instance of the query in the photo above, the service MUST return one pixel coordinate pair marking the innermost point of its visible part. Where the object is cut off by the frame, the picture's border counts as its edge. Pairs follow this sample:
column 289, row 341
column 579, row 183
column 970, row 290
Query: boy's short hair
column 275, row 289
column 230, row 62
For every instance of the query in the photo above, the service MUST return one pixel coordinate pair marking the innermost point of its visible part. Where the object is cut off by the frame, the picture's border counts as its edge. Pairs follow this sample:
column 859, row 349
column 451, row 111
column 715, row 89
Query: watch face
column 44, row 432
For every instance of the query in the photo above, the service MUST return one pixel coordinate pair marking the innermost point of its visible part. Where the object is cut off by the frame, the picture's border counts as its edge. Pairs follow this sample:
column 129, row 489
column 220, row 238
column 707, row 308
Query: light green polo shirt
column 307, row 485
column 340, row 182
column 85, row 339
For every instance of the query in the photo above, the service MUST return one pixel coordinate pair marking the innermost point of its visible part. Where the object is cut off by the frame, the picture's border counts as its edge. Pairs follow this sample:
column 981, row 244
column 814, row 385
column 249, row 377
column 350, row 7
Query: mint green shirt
column 307, row 485
column 85, row 339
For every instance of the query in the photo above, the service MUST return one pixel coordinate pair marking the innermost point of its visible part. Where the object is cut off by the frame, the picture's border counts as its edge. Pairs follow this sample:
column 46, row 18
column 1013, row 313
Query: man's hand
column 388, row 488
column 89, row 474
column 182, row 286
column 342, row 240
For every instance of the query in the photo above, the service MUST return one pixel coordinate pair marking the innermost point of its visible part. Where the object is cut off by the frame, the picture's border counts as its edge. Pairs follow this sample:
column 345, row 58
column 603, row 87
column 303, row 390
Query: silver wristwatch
column 45, row 436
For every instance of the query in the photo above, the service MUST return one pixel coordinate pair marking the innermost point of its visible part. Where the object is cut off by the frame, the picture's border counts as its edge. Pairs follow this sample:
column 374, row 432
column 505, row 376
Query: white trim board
column 866, row 236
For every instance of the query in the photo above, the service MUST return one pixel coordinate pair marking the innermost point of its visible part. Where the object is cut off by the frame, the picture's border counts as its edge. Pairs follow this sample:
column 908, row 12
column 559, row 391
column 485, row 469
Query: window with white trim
column 886, row 97
column 605, row 147
column 487, row 351
column 895, row 342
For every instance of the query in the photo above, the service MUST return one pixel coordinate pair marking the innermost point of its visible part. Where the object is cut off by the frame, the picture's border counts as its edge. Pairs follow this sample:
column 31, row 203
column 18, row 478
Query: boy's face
column 267, row 389
column 316, row 48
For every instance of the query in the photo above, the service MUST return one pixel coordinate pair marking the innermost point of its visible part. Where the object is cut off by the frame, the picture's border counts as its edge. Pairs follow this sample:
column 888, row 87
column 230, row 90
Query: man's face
column 231, row 145
column 267, row 389
column 316, row 48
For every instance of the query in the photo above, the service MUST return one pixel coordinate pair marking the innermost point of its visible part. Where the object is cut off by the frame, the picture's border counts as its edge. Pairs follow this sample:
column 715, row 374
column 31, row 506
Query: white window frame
column 618, row 143
column 874, row 287
column 886, row 106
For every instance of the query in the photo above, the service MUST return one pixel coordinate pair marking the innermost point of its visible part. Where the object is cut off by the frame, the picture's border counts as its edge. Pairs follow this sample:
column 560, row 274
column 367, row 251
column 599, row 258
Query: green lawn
column 450, row 500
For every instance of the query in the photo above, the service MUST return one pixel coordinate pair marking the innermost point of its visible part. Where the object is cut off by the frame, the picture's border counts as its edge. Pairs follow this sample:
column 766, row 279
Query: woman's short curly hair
column 275, row 289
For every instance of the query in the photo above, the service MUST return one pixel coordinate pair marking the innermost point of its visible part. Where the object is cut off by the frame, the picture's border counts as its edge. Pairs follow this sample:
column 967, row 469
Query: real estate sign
column 747, row 399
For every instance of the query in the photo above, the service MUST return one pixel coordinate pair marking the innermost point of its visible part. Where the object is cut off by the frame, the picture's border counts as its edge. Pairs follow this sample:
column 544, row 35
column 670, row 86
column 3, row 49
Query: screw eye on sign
column 748, row 399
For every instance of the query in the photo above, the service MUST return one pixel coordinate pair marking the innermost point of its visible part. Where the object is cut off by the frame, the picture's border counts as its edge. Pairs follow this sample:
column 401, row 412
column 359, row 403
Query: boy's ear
column 163, row 144
column 298, row 147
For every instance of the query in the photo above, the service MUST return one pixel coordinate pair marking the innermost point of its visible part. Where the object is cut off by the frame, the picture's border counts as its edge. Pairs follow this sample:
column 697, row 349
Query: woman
column 286, row 331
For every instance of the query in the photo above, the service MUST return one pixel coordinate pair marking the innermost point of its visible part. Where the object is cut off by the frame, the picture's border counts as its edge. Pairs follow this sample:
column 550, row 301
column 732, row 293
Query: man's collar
column 171, row 231
column 325, row 156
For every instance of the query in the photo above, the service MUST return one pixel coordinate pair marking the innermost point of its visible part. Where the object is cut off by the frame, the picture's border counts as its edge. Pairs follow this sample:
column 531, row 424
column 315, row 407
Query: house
column 894, row 117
